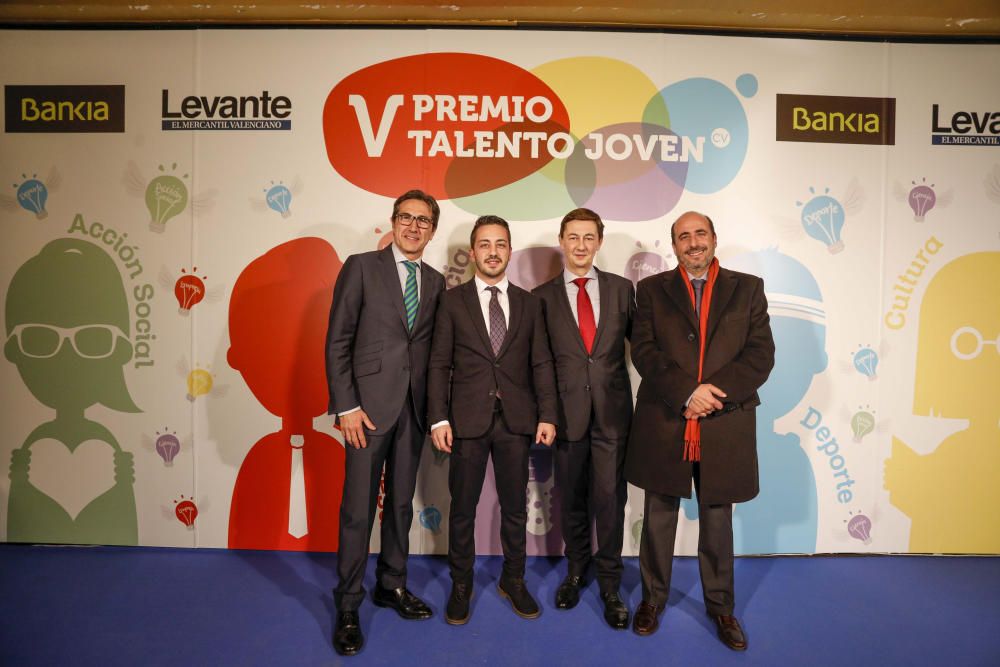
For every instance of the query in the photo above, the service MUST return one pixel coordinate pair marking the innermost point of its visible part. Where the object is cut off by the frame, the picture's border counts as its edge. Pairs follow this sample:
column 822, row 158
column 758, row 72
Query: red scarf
column 692, row 432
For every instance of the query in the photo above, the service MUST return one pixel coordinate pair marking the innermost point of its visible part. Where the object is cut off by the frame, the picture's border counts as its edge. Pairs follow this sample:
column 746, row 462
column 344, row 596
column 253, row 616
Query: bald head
column 683, row 216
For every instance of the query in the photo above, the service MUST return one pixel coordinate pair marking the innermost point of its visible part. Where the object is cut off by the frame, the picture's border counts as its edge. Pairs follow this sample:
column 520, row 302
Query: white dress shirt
column 484, row 299
column 592, row 291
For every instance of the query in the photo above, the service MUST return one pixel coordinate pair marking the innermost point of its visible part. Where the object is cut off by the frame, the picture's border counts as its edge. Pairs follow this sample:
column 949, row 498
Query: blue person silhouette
column 783, row 518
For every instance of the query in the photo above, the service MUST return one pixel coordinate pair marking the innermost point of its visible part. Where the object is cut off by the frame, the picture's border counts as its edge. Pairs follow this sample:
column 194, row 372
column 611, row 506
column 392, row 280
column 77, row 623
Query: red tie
column 585, row 314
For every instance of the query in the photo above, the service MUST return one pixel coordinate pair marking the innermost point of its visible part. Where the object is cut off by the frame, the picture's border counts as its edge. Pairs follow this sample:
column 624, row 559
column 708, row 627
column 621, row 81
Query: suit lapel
column 515, row 302
column 470, row 297
column 673, row 285
column 722, row 293
column 565, row 310
column 390, row 275
column 604, row 294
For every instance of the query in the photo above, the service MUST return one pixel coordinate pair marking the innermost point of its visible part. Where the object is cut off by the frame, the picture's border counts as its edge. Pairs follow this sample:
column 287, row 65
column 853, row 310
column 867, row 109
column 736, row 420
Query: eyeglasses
column 90, row 341
column 977, row 337
column 423, row 222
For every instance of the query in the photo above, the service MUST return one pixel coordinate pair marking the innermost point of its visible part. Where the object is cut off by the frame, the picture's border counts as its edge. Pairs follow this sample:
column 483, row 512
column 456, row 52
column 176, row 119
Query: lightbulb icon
column 32, row 195
column 279, row 198
column 862, row 423
column 167, row 446
column 430, row 518
column 186, row 512
column 823, row 219
column 189, row 290
column 199, row 383
column 860, row 528
column 166, row 196
column 866, row 362
column 637, row 532
column 921, row 199
column 645, row 263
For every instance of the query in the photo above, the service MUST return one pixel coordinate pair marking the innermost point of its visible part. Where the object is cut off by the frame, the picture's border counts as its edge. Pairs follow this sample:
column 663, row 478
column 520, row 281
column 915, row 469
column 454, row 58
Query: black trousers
column 591, row 482
column 715, row 550
column 398, row 450
column 465, row 481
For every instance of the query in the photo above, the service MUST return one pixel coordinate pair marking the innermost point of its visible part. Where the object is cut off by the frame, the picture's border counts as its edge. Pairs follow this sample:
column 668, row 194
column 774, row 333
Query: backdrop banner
column 176, row 206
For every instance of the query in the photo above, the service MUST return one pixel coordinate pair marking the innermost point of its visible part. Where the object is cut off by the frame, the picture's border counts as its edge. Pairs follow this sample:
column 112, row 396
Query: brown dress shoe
column 730, row 631
column 647, row 618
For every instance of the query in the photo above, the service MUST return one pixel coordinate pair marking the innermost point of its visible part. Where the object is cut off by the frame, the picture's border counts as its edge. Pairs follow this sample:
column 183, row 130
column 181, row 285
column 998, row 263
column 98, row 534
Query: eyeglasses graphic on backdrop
column 423, row 222
column 90, row 341
column 964, row 333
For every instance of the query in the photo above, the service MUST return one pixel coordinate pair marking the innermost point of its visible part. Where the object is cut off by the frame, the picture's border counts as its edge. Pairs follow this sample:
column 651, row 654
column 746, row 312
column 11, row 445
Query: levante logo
column 832, row 119
column 480, row 130
column 226, row 112
column 64, row 108
column 965, row 128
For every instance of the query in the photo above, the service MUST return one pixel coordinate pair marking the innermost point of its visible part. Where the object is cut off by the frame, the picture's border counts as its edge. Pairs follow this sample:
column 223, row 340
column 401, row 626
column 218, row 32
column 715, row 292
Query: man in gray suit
column 588, row 314
column 378, row 345
column 703, row 346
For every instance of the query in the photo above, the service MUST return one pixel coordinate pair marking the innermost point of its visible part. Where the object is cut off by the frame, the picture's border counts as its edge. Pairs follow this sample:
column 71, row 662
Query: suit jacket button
column 691, row 337
column 587, row 387
column 492, row 392
column 590, row 360
column 496, row 364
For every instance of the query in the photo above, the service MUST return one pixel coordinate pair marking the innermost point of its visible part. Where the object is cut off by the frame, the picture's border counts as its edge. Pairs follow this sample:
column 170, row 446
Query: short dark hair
column 484, row 220
column 419, row 195
column 582, row 214
column 711, row 225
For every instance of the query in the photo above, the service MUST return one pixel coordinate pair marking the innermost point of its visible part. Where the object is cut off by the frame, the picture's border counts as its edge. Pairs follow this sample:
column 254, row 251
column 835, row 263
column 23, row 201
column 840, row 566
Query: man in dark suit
column 377, row 349
column 491, row 391
column 702, row 344
column 588, row 314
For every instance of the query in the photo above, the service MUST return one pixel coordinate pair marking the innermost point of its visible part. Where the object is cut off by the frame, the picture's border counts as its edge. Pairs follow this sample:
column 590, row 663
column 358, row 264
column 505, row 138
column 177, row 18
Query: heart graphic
column 72, row 479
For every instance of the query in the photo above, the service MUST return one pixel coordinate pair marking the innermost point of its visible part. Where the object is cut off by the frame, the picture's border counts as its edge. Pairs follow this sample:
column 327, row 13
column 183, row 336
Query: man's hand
column 546, row 433
column 351, row 425
column 442, row 438
column 704, row 401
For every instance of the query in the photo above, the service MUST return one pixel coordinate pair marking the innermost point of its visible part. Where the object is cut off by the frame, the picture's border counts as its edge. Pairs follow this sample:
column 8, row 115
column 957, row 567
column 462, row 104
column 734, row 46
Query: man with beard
column 702, row 343
column 491, row 392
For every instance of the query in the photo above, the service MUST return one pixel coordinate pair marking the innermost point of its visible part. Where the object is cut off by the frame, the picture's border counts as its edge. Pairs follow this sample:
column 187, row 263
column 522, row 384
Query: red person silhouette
column 287, row 493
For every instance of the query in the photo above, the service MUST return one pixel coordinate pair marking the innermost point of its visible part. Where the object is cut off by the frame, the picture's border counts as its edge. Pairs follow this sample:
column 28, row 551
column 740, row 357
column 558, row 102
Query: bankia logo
column 226, row 112
column 64, row 108
column 965, row 127
column 832, row 119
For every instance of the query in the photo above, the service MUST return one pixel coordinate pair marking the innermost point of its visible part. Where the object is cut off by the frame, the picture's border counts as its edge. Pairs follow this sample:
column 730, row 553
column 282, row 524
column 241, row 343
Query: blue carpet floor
column 113, row 606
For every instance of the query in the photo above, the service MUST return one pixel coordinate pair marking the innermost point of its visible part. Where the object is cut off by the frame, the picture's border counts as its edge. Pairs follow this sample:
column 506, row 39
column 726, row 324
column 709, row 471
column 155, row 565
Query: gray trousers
column 715, row 551
column 398, row 450
column 591, row 482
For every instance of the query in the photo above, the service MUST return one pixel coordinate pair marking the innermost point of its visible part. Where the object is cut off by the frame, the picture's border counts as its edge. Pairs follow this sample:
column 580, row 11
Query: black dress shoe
column 615, row 610
column 347, row 637
column 520, row 599
column 406, row 604
column 647, row 618
column 457, row 611
column 730, row 631
column 568, row 593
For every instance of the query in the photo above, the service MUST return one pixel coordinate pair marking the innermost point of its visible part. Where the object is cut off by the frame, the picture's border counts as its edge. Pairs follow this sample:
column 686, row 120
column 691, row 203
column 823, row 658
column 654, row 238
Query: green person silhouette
column 67, row 320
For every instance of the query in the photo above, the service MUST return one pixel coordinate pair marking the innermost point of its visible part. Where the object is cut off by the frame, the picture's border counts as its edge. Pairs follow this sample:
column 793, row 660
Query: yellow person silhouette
column 951, row 495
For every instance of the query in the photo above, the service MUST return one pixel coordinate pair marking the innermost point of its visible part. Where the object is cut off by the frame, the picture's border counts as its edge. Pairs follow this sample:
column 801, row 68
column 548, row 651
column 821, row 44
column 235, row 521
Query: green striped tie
column 410, row 300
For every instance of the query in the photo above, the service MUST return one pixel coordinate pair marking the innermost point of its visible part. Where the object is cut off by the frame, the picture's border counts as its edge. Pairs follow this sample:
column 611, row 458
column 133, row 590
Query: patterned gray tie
column 498, row 325
column 697, row 284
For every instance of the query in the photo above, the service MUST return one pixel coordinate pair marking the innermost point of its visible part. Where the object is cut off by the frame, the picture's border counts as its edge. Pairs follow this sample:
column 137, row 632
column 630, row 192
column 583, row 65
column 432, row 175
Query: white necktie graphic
column 298, row 521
